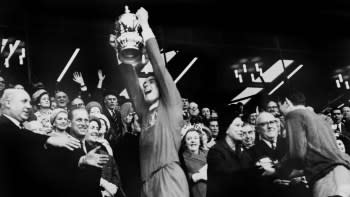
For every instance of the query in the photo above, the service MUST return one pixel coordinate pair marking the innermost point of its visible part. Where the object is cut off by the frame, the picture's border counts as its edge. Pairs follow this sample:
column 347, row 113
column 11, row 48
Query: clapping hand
column 201, row 174
column 64, row 141
column 268, row 165
column 78, row 77
column 94, row 159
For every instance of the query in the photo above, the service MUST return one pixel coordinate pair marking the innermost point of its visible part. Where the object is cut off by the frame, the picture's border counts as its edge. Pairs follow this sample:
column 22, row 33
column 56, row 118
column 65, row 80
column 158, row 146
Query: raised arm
column 169, row 94
column 78, row 78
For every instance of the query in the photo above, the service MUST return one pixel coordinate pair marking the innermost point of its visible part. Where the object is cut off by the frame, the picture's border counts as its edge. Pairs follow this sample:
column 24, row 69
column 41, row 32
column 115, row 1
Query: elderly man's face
column 79, row 123
column 267, row 126
column 61, row 99
column 111, row 101
column 19, row 106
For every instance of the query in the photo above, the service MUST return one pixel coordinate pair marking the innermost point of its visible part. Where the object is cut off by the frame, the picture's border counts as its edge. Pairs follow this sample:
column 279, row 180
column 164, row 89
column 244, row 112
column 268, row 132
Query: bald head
column 16, row 104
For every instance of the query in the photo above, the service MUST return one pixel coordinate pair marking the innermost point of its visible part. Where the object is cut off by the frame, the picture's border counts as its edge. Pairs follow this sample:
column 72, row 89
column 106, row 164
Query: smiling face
column 150, row 90
column 61, row 121
column 79, row 123
column 192, row 140
column 93, row 133
column 61, row 99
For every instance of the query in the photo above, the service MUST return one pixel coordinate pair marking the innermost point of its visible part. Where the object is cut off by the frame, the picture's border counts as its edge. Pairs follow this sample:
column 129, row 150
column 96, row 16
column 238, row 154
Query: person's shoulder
column 4, row 120
column 298, row 113
column 218, row 147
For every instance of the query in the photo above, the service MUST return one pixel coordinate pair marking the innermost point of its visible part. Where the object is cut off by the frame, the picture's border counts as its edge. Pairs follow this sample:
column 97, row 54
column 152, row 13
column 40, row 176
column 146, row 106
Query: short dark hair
column 295, row 96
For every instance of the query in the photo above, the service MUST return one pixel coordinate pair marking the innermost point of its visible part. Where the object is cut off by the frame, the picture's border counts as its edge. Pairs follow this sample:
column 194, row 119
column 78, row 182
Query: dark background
column 219, row 33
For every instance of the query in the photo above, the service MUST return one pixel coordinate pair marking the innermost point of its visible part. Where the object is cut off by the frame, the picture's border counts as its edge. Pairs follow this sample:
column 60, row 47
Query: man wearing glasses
column 269, row 146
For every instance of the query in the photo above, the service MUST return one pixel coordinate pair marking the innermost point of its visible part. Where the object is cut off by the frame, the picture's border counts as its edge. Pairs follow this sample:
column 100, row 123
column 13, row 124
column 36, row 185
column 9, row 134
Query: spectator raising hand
column 101, row 78
column 78, row 78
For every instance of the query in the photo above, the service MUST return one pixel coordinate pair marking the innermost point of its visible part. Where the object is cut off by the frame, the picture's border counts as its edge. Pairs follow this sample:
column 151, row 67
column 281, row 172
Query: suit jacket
column 265, row 184
column 116, row 125
column 261, row 149
column 21, row 165
column 228, row 174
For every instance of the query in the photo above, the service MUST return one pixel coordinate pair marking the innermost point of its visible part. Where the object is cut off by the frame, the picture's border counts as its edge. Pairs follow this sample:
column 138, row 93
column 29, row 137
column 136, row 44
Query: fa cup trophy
column 128, row 40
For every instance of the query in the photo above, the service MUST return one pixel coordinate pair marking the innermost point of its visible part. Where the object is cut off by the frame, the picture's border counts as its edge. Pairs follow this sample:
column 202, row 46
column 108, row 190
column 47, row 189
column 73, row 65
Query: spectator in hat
column 94, row 107
column 110, row 110
column 41, row 101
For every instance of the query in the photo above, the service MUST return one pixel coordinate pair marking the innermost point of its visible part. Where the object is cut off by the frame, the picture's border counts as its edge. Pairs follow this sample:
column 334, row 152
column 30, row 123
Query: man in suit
column 269, row 146
column 110, row 109
column 87, row 178
column 22, row 166
column 338, row 125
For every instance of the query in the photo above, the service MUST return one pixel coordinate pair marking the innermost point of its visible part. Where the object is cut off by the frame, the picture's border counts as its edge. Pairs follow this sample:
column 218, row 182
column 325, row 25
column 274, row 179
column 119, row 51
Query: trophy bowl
column 128, row 40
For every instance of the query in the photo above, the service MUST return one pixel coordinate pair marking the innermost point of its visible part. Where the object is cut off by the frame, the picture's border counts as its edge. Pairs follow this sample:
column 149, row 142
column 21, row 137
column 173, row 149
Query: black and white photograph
column 180, row 98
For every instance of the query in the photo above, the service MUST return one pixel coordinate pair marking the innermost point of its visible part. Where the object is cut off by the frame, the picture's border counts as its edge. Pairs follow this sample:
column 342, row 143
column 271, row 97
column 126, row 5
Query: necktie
column 114, row 116
column 21, row 126
column 273, row 145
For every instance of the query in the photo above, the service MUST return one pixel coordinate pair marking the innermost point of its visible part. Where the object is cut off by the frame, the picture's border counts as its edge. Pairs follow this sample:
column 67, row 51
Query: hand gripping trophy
column 127, row 39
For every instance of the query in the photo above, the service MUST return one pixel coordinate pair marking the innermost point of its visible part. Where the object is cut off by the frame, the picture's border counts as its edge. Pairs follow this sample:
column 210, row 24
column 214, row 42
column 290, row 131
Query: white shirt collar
column 16, row 122
column 269, row 143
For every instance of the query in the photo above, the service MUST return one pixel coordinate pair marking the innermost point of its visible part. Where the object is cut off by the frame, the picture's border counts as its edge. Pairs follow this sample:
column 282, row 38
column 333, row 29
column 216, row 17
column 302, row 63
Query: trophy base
column 130, row 56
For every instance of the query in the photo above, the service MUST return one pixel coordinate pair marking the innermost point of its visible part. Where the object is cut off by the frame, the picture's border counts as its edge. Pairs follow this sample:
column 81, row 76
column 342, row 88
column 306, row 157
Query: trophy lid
column 127, row 16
